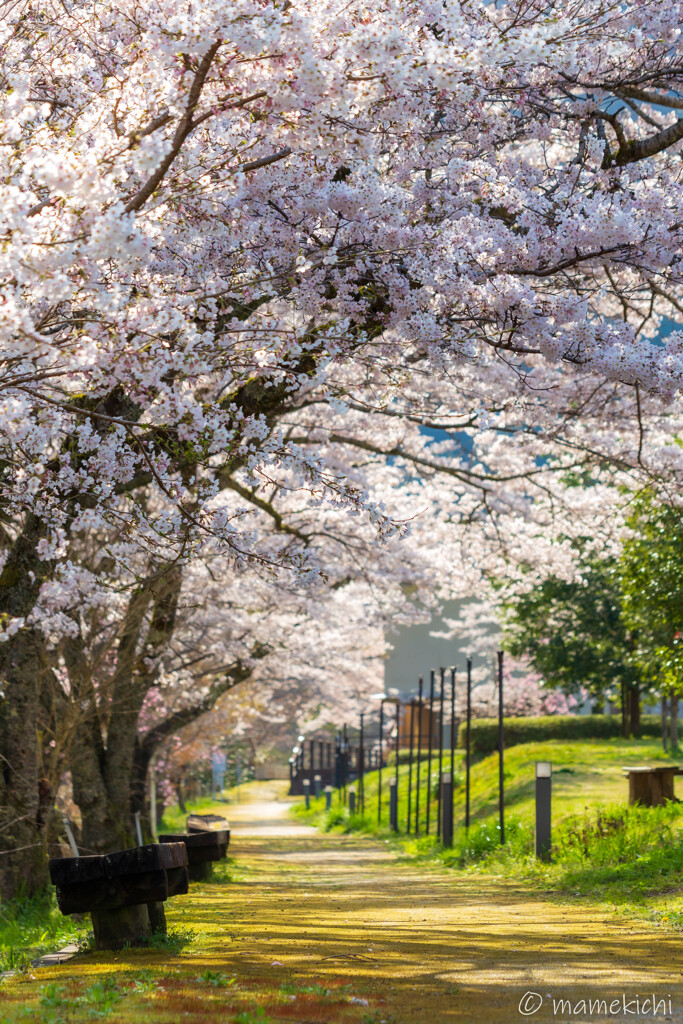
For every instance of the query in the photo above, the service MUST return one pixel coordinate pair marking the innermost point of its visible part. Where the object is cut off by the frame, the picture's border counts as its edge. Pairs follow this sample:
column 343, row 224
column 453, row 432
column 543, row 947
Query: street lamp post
column 501, row 752
column 467, row 747
column 382, row 701
column 442, row 684
column 361, row 766
column 431, row 744
column 410, row 761
column 544, row 783
column 379, row 766
column 419, row 753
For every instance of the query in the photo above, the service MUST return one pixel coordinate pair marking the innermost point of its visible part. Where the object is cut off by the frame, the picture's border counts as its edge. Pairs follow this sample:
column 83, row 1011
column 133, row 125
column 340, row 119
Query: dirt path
column 336, row 929
column 436, row 948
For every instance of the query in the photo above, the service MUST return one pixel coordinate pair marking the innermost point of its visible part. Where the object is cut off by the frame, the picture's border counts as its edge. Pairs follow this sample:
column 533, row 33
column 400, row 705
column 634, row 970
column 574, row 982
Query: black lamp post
column 467, row 748
column 410, row 761
column 361, row 765
column 442, row 685
column 420, row 687
column 501, row 750
column 431, row 744
column 382, row 701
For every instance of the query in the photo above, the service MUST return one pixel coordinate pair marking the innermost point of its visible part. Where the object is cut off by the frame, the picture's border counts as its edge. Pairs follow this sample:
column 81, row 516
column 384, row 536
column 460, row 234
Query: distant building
column 415, row 652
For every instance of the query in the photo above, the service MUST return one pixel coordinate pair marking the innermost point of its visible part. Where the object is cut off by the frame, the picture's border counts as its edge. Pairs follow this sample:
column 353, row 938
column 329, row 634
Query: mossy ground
column 304, row 927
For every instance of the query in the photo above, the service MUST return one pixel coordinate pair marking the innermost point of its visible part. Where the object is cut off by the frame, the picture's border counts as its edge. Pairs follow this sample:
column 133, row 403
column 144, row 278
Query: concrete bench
column 123, row 891
column 203, row 848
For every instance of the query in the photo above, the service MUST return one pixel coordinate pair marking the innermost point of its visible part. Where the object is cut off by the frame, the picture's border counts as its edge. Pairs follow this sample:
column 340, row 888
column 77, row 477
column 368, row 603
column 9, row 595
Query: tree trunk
column 665, row 735
column 107, row 776
column 23, row 859
column 181, row 798
column 673, row 720
column 23, row 864
column 634, row 710
column 142, row 757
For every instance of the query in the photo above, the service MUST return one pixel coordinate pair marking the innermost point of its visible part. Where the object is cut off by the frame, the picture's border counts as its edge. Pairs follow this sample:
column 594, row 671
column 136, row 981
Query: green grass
column 31, row 927
column 603, row 851
column 175, row 820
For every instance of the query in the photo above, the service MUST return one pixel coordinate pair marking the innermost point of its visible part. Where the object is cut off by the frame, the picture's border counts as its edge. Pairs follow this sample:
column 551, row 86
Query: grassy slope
column 30, row 928
column 586, row 773
column 604, row 852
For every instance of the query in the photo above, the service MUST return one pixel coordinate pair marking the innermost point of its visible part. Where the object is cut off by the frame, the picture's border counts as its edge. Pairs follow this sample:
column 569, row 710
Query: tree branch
column 184, row 129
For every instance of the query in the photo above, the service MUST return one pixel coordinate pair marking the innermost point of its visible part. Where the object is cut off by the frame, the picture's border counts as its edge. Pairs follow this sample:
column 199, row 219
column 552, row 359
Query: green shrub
column 549, row 727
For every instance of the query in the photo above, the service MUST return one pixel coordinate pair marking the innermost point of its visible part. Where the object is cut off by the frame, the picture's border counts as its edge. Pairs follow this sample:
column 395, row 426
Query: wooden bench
column 203, row 848
column 649, row 786
column 208, row 823
column 124, row 891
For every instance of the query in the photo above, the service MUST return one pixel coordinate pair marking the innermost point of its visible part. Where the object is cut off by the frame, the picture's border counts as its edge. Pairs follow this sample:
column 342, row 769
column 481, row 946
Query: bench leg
column 157, row 918
column 115, row 929
column 201, row 872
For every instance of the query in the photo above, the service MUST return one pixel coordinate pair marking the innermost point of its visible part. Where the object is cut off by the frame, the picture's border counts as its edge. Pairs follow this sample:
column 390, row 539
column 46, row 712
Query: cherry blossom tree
column 243, row 239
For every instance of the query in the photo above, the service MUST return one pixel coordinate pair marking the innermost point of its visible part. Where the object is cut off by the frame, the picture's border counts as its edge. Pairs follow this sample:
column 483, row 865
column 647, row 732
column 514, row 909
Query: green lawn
column 30, row 928
column 586, row 773
column 603, row 850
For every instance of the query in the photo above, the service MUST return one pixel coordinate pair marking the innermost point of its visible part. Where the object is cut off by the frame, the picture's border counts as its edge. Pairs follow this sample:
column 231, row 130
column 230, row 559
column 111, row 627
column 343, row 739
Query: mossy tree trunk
column 23, row 864
column 102, row 768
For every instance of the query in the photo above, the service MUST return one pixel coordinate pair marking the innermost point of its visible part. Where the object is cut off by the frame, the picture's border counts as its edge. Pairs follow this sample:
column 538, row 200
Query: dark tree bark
column 102, row 769
column 634, row 710
column 665, row 734
column 180, row 796
column 23, row 864
column 673, row 719
column 23, row 861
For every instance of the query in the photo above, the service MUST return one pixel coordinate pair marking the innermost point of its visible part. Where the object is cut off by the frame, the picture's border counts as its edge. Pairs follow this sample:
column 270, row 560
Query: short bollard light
column 352, row 801
column 393, row 805
column 328, row 797
column 544, row 782
column 307, row 792
column 317, row 783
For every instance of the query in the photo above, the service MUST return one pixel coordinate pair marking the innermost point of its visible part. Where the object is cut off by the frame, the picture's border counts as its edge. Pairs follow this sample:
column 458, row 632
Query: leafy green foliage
column 575, row 633
column 217, row 979
column 255, row 1016
column 651, row 578
column 174, row 940
column 94, row 1002
column 484, row 731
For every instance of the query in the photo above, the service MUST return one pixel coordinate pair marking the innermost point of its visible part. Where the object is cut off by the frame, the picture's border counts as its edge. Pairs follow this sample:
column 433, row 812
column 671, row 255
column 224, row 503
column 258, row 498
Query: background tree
column 230, row 234
column 651, row 577
column 575, row 635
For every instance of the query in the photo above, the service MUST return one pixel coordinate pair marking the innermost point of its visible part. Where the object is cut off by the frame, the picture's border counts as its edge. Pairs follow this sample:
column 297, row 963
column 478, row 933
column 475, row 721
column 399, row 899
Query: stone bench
column 203, row 848
column 123, row 891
